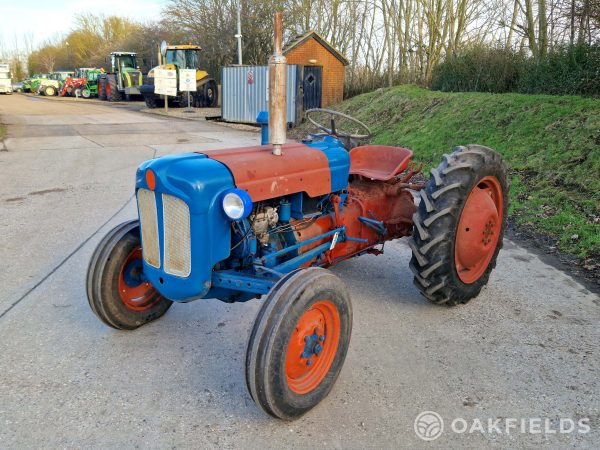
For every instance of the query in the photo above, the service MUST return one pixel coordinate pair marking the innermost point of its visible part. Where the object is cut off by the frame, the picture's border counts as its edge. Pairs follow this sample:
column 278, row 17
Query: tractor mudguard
column 200, row 182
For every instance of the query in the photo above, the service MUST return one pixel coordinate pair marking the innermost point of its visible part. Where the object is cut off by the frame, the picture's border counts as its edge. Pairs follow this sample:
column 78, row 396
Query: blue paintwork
column 246, row 201
column 132, row 273
column 312, row 345
column 289, row 248
column 339, row 160
column 249, row 270
column 263, row 119
column 200, row 182
column 377, row 225
column 285, row 211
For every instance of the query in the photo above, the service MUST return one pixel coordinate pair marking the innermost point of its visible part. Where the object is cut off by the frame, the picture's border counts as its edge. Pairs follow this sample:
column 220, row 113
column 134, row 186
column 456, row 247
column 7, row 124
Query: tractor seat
column 379, row 162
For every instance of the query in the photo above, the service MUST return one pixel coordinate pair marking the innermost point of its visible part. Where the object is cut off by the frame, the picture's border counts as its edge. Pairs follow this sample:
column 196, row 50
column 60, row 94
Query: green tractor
column 31, row 84
column 91, row 87
column 53, row 84
column 124, row 79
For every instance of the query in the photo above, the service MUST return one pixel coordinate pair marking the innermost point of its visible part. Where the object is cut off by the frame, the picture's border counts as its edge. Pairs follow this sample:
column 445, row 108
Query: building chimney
column 277, row 91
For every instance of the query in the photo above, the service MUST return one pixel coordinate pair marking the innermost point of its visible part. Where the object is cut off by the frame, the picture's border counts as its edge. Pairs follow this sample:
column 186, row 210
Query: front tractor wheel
column 459, row 225
column 298, row 343
column 49, row 91
column 116, row 289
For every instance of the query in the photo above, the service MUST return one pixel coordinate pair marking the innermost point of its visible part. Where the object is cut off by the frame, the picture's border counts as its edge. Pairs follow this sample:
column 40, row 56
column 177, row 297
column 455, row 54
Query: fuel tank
column 316, row 170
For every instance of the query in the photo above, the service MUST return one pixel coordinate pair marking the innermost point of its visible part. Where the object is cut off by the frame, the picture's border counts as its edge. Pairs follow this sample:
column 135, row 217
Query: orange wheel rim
column 478, row 229
column 136, row 293
column 312, row 347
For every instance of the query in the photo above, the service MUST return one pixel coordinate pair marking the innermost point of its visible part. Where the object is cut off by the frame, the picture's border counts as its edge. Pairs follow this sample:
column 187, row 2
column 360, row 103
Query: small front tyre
column 299, row 342
column 116, row 289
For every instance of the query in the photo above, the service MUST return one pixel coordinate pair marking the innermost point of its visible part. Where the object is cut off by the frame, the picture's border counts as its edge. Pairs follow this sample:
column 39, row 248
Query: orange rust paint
column 150, row 179
column 478, row 229
column 264, row 176
column 379, row 162
column 373, row 199
column 323, row 319
column 136, row 298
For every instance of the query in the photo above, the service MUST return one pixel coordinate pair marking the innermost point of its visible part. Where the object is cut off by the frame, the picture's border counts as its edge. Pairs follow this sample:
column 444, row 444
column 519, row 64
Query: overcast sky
column 47, row 18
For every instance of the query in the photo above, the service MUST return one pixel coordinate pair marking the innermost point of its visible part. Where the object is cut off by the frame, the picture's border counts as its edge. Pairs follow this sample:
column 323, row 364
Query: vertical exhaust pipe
column 277, row 91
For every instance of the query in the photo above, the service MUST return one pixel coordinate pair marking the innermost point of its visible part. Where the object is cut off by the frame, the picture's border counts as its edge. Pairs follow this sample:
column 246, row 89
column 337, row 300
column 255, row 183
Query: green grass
column 550, row 143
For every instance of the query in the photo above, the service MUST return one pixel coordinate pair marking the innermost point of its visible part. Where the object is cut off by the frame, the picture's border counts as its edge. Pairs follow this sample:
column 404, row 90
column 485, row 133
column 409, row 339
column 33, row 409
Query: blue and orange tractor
column 266, row 222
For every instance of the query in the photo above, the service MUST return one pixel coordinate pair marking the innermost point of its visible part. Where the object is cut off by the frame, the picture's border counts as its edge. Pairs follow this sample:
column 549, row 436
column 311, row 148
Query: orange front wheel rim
column 479, row 229
column 312, row 347
column 137, row 294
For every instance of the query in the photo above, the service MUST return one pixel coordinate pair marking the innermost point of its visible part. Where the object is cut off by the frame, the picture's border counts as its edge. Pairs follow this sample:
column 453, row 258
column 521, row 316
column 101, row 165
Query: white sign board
column 165, row 82
column 187, row 79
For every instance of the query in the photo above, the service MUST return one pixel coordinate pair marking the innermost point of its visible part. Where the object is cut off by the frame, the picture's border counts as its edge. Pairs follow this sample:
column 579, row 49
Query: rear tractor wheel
column 298, row 343
column 459, row 225
column 116, row 289
column 112, row 89
column 101, row 88
column 150, row 100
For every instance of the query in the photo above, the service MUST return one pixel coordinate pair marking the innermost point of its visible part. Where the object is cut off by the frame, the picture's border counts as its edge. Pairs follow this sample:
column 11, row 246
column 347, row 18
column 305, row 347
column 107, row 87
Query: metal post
column 238, row 36
column 189, row 108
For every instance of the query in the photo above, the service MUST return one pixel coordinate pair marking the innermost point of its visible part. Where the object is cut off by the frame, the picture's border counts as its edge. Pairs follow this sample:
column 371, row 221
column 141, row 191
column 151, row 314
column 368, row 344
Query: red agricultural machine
column 265, row 222
column 73, row 86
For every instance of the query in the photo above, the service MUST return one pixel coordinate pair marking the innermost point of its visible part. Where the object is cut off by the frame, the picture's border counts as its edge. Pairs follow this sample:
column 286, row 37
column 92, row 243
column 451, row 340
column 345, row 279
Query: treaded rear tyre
column 102, row 87
column 435, row 234
column 112, row 92
column 150, row 101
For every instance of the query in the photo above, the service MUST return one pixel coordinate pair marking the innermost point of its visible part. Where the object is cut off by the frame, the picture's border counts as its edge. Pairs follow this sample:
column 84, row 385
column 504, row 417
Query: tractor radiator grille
column 177, row 239
column 149, row 225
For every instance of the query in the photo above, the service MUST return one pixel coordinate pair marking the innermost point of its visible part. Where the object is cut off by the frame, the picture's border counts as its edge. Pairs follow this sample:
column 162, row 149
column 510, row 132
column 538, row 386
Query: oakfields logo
column 429, row 425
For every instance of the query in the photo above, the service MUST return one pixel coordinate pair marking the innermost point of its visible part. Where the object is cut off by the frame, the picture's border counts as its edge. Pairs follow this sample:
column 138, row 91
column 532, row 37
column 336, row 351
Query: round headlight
column 237, row 204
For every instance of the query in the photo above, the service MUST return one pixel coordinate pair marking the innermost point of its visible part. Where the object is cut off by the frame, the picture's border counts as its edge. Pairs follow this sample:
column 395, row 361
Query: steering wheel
column 333, row 131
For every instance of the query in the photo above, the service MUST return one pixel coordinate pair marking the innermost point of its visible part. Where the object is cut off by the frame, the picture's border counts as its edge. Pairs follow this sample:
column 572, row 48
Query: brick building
column 324, row 69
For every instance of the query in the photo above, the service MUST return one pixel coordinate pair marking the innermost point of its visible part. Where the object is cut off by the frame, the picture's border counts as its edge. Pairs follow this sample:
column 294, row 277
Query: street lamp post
column 238, row 36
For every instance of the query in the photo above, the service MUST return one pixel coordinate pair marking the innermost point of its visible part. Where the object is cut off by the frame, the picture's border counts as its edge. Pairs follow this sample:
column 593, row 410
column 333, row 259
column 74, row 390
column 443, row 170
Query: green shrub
column 481, row 69
column 564, row 70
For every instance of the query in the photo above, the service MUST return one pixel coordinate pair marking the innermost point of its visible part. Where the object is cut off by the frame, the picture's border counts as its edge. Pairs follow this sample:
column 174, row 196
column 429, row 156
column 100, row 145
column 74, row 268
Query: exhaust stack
column 277, row 91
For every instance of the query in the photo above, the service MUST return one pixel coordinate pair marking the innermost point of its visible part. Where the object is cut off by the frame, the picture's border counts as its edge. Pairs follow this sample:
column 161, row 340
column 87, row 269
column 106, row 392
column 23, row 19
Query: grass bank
column 550, row 143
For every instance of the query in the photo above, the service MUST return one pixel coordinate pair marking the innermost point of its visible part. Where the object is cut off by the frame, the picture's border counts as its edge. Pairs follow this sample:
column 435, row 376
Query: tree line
column 387, row 42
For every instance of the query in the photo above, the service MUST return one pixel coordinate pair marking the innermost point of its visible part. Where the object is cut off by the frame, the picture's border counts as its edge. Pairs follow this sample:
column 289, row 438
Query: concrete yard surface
column 528, row 348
